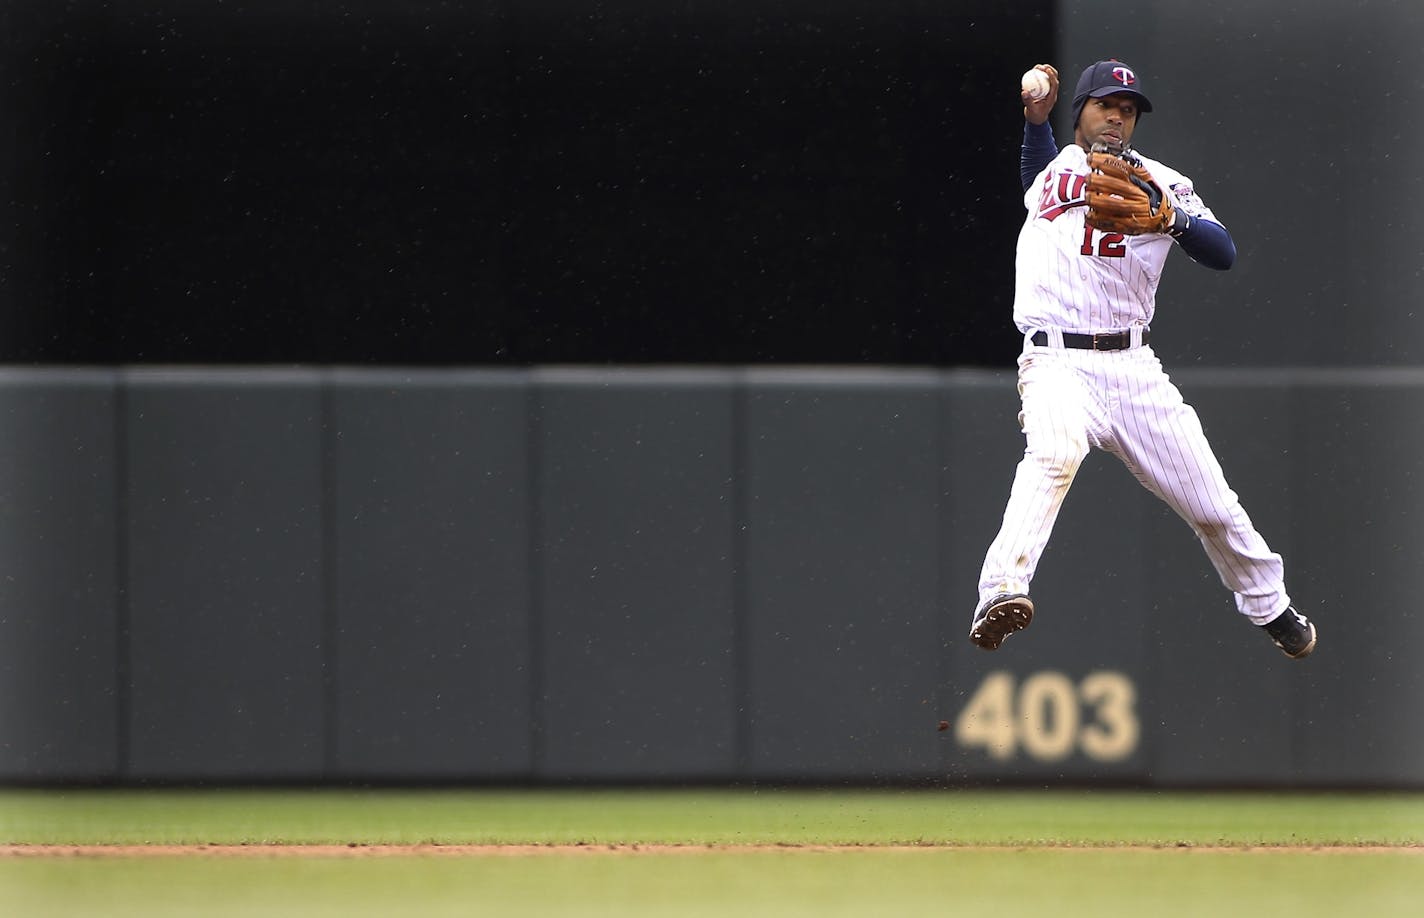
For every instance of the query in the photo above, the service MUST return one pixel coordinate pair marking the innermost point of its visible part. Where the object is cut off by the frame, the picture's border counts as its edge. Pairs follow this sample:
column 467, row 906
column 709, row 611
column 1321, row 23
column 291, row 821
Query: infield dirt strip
column 357, row 851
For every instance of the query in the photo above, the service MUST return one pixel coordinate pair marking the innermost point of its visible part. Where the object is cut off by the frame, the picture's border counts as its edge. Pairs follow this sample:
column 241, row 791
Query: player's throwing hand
column 1036, row 111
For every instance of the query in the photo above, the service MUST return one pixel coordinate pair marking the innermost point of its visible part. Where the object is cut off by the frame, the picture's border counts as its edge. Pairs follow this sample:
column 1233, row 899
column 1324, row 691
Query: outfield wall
column 591, row 575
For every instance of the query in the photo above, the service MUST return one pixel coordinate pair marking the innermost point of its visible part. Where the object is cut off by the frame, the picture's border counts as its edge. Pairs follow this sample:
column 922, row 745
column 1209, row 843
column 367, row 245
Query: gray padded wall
column 429, row 540
column 1262, row 95
column 842, row 469
column 1359, row 480
column 59, row 636
column 668, row 575
column 635, row 572
column 226, row 602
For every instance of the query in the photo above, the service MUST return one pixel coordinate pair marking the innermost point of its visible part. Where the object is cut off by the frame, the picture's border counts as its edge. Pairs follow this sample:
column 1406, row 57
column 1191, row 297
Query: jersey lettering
column 1060, row 192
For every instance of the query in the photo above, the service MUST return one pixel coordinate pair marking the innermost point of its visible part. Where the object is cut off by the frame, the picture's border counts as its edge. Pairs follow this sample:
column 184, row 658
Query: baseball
column 1035, row 83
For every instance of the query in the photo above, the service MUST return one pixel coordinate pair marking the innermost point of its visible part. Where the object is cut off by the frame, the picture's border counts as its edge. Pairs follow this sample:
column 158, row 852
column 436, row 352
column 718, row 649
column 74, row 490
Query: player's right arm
column 1038, row 150
column 1039, row 147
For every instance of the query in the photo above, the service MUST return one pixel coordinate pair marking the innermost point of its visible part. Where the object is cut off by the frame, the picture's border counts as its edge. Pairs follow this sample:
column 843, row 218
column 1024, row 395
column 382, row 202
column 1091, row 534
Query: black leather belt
column 1103, row 341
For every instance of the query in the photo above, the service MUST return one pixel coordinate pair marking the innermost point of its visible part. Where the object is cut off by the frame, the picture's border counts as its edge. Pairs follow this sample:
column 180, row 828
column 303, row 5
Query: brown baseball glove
column 1124, row 198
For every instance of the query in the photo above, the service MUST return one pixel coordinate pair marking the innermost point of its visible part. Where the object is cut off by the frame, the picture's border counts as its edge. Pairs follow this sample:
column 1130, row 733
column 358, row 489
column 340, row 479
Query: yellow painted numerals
column 1048, row 717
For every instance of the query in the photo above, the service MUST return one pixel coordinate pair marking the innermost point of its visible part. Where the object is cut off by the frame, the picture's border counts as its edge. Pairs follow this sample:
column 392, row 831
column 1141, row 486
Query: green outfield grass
column 973, row 852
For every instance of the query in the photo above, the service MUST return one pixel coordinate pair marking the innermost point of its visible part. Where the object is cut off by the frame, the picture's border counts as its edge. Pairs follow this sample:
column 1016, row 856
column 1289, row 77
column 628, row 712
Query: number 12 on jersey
column 1108, row 245
column 1048, row 717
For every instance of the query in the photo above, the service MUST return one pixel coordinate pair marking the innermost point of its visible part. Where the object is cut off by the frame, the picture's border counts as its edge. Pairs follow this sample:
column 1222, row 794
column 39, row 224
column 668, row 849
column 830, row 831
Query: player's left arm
column 1205, row 241
column 1196, row 229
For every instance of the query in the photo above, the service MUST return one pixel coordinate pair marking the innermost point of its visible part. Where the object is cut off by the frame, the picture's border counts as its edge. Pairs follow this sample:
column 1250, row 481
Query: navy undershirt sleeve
column 1208, row 244
column 1038, row 151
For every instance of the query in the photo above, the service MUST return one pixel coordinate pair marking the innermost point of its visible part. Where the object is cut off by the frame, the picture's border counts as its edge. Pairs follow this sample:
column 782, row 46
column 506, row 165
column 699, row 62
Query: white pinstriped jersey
column 1078, row 279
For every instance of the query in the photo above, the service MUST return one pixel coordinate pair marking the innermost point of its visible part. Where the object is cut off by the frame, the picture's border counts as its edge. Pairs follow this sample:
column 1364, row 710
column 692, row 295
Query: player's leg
column 1161, row 440
column 1057, row 411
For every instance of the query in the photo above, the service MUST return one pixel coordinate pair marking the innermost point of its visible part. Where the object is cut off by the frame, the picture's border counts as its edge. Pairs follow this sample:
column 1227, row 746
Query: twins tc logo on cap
column 1104, row 78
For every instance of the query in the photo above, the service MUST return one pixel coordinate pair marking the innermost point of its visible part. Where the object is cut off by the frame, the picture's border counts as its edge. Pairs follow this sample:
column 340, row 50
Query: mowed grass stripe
column 968, row 881
column 796, row 817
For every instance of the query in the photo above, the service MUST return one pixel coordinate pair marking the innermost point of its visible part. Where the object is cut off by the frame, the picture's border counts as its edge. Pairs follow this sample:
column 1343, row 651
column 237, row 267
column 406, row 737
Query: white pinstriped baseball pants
column 1122, row 402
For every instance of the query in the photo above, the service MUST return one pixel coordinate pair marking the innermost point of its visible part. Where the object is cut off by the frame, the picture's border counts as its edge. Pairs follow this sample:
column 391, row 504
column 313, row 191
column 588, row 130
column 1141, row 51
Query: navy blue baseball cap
column 1104, row 79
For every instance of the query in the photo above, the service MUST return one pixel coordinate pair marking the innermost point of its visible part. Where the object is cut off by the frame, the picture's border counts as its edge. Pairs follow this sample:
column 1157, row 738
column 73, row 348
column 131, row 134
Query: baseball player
column 1101, row 221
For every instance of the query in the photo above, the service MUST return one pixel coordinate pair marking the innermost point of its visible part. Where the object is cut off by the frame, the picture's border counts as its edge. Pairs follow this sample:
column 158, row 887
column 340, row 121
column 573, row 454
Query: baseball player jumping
column 1101, row 220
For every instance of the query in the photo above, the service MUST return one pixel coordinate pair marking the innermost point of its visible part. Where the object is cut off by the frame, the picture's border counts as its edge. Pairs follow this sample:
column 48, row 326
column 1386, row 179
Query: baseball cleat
column 1000, row 617
column 1292, row 632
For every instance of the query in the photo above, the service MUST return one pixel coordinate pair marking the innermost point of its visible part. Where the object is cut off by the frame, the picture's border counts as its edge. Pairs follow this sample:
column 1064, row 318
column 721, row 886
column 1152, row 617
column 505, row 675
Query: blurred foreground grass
column 1001, row 853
